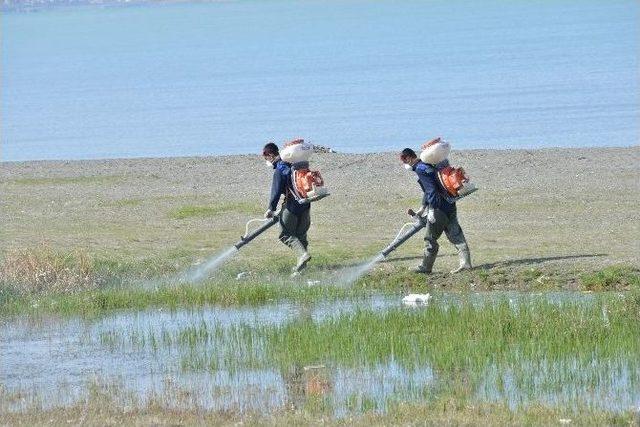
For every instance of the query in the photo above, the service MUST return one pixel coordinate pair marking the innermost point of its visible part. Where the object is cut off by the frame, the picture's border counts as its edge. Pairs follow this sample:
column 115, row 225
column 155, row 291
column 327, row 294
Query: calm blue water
column 218, row 78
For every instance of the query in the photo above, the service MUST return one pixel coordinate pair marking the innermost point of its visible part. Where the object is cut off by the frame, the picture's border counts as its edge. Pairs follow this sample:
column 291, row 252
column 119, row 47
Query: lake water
column 359, row 76
column 51, row 362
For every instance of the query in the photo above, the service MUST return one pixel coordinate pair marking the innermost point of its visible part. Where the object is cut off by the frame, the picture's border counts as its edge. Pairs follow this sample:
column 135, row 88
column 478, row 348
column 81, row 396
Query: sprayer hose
column 251, row 221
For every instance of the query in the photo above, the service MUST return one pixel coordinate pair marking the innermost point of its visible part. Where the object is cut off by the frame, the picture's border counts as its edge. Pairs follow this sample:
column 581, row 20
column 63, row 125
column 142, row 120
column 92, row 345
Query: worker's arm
column 277, row 189
column 429, row 183
column 417, row 213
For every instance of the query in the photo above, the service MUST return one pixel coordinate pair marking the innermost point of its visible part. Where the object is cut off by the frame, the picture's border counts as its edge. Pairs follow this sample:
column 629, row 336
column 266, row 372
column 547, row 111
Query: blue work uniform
column 446, row 219
column 295, row 218
column 282, row 184
column 433, row 193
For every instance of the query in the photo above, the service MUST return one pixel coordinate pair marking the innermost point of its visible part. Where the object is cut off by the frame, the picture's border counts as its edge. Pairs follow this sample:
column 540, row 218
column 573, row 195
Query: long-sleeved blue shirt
column 433, row 193
column 282, row 185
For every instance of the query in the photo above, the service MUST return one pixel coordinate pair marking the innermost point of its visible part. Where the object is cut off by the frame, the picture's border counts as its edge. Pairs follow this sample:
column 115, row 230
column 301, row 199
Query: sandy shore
column 548, row 207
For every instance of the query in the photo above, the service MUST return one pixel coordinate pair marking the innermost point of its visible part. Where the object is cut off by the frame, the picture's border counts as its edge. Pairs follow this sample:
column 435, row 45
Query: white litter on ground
column 416, row 299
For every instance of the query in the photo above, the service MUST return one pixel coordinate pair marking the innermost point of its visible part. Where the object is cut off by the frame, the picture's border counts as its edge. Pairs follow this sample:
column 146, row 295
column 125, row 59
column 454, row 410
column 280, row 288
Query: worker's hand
column 268, row 214
column 431, row 216
column 411, row 212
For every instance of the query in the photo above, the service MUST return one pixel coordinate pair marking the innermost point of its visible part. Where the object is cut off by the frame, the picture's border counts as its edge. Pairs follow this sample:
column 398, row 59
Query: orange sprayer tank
column 306, row 181
column 308, row 186
column 455, row 181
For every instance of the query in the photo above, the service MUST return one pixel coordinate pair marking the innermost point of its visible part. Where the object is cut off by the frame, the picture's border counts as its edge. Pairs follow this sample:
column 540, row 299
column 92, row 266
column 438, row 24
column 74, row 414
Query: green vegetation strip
column 194, row 211
column 576, row 349
column 467, row 336
column 137, row 297
column 225, row 290
column 448, row 337
column 100, row 410
column 43, row 280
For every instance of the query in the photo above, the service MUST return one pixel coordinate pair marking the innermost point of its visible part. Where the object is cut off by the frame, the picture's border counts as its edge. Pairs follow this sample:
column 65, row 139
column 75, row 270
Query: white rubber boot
column 302, row 261
column 465, row 258
column 303, row 256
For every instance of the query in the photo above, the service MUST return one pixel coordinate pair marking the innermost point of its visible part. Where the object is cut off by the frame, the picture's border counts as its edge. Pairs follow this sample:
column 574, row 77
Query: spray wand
column 248, row 237
column 402, row 236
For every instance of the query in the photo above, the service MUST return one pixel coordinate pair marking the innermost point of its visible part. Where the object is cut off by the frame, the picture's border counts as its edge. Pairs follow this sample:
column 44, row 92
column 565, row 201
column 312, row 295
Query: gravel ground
column 566, row 207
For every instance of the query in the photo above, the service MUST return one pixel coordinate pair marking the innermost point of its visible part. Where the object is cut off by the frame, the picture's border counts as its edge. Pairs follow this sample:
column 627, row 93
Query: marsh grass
column 463, row 337
column 526, row 352
column 42, row 270
column 448, row 337
column 99, row 409
column 42, row 279
column 137, row 298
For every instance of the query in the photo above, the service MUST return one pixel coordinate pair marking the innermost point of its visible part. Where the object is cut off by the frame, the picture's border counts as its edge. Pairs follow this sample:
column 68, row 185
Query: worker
column 295, row 218
column 438, row 210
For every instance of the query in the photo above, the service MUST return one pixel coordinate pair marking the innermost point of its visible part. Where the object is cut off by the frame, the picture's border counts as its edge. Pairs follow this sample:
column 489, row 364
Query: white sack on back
column 296, row 151
column 435, row 151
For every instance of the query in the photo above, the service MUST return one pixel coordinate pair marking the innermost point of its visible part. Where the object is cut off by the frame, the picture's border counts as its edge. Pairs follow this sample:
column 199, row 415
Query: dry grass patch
column 42, row 270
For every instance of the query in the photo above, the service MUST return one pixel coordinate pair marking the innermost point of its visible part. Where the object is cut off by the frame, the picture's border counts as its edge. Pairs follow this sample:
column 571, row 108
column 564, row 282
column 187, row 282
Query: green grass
column 137, row 297
column 613, row 277
column 194, row 211
column 463, row 338
column 100, row 409
column 449, row 338
column 569, row 350
column 44, row 280
column 105, row 283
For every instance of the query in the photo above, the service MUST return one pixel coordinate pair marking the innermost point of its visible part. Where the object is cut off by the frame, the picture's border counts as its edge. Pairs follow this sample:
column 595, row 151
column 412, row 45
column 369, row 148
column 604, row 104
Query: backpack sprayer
column 453, row 181
column 307, row 186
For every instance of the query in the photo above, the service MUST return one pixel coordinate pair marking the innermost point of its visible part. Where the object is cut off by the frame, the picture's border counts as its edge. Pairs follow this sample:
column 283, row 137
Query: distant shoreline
column 252, row 155
column 43, row 5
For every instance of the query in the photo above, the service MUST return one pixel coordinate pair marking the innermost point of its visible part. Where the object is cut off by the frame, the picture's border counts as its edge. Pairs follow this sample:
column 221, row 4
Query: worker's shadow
column 540, row 260
column 409, row 258
column 510, row 262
